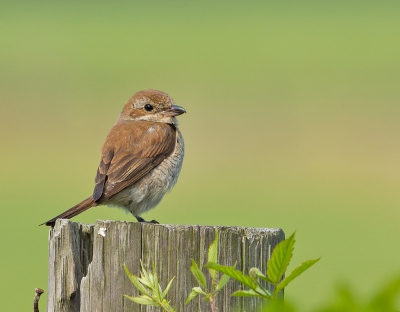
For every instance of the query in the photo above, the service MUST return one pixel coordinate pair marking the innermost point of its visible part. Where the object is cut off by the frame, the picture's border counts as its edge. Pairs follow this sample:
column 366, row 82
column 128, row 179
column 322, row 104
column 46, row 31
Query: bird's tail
column 72, row 212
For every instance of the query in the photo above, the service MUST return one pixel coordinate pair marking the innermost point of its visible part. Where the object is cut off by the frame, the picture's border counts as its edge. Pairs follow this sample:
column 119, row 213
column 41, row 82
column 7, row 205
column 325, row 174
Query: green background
column 293, row 122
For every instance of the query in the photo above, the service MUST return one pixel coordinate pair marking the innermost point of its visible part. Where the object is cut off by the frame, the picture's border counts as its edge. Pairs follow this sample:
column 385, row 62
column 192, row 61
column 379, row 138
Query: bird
column 141, row 157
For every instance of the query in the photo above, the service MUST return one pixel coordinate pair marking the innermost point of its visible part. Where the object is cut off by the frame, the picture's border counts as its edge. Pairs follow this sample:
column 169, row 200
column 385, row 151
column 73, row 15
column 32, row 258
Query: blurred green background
column 293, row 122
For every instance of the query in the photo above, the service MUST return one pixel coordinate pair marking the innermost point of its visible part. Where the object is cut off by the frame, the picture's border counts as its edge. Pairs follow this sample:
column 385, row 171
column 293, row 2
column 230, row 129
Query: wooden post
column 86, row 271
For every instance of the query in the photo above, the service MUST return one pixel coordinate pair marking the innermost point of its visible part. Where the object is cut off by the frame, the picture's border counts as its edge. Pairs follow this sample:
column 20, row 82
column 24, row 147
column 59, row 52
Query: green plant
column 276, row 268
column 149, row 287
column 383, row 299
column 209, row 293
column 152, row 293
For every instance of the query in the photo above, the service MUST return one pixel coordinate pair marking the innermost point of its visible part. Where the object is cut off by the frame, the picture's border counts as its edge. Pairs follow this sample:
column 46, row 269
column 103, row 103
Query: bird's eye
column 148, row 107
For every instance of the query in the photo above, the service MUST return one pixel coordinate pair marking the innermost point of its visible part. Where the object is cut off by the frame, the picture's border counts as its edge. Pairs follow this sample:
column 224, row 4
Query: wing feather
column 142, row 147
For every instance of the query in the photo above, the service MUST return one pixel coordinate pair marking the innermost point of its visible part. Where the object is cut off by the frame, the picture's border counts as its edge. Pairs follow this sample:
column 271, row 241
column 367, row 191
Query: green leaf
column 146, row 277
column 263, row 292
column 166, row 306
column 245, row 293
column 159, row 292
column 280, row 259
column 135, row 281
column 296, row 272
column 145, row 281
column 157, row 287
column 145, row 300
column 235, row 274
column 222, row 282
column 224, row 279
column 198, row 274
column 259, row 292
column 213, row 254
column 199, row 291
column 284, row 306
column 191, row 296
column 386, row 298
column 167, row 288
column 347, row 301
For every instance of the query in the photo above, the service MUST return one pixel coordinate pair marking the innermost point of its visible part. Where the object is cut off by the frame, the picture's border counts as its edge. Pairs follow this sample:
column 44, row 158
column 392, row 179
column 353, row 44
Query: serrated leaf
column 167, row 288
column 159, row 292
column 224, row 279
column 199, row 291
column 213, row 254
column 145, row 282
column 296, row 272
column 259, row 292
column 222, row 282
column 213, row 249
column 151, row 278
column 157, row 287
column 280, row 259
column 145, row 300
column 245, row 293
column 135, row 281
column 235, row 274
column 198, row 274
column 154, row 274
column 147, row 277
column 191, row 296
column 263, row 292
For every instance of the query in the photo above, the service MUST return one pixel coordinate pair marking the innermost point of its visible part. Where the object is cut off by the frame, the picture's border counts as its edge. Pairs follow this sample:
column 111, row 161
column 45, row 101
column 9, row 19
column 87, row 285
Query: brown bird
column 141, row 157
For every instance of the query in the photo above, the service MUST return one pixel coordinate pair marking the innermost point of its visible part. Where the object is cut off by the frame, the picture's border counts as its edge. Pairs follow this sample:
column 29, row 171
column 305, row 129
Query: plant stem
column 212, row 304
column 265, row 293
column 166, row 307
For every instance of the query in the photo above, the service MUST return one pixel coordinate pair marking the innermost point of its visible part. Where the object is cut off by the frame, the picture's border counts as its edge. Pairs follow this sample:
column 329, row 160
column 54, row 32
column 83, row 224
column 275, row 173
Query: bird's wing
column 131, row 150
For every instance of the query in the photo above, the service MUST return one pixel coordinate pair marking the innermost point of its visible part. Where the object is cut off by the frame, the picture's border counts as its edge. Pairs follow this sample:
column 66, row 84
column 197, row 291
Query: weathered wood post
column 86, row 263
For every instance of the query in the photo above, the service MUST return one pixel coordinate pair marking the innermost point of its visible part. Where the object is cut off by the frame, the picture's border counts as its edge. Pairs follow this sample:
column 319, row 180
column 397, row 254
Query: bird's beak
column 175, row 110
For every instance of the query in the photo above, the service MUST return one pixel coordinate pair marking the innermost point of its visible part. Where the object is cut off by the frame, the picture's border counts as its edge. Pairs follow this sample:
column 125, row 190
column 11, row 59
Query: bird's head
column 151, row 105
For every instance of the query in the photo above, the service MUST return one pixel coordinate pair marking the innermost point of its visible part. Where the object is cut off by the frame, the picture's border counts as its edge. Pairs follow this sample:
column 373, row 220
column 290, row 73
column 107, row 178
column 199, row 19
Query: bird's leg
column 140, row 219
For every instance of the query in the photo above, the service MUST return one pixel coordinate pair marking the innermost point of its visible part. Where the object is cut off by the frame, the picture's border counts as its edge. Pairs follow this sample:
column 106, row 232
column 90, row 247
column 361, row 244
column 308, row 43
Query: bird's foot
column 140, row 219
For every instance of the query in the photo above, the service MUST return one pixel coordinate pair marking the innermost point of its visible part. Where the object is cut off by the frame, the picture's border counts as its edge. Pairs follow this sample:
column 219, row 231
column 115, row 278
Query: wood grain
column 86, row 268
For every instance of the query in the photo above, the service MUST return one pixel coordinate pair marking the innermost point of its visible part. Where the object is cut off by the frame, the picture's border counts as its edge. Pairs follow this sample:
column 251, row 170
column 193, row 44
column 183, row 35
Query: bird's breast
column 164, row 176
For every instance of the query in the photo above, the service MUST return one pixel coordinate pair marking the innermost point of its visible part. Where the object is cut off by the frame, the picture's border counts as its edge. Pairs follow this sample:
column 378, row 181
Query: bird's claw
column 140, row 219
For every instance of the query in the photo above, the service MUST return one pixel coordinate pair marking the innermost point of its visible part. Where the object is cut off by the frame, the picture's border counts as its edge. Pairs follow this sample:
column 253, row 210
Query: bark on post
column 86, row 263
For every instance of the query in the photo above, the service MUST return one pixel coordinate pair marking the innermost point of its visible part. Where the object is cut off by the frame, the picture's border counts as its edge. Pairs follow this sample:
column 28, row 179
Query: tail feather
column 72, row 212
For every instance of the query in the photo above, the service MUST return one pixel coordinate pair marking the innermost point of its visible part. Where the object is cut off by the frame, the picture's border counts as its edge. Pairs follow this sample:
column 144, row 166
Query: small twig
column 38, row 291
